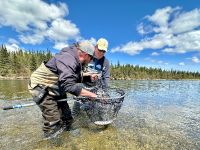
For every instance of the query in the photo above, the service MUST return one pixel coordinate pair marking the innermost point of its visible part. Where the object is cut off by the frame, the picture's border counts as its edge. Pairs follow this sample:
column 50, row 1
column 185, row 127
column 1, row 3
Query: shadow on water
column 155, row 115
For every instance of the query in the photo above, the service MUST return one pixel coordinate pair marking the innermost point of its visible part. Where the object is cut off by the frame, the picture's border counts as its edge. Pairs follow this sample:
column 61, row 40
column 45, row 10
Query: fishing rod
column 25, row 105
column 42, row 94
column 79, row 98
column 33, row 103
column 18, row 106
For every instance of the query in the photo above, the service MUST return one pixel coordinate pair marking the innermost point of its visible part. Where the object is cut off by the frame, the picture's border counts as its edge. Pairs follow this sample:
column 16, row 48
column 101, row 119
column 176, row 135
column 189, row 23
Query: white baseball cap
column 102, row 44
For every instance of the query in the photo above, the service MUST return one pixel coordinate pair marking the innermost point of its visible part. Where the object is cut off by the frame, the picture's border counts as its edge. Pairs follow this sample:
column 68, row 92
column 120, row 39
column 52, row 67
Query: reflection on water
column 154, row 115
column 13, row 89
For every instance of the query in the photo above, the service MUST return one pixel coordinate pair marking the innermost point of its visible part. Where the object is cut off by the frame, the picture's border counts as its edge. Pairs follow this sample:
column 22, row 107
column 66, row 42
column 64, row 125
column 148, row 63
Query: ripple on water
column 154, row 115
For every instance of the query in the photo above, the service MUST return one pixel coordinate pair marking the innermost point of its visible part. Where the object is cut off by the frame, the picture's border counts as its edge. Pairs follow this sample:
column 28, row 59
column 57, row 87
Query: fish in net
column 104, row 109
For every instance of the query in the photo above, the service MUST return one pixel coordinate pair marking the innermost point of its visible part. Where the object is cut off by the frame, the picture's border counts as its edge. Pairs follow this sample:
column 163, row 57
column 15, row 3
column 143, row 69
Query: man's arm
column 88, row 94
column 68, row 78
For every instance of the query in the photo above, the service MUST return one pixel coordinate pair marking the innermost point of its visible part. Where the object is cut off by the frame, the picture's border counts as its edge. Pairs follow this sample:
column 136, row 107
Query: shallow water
column 154, row 115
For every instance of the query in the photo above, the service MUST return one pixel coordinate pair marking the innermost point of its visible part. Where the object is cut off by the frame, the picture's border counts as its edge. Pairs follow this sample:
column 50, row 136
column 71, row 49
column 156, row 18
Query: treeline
column 23, row 63
column 128, row 72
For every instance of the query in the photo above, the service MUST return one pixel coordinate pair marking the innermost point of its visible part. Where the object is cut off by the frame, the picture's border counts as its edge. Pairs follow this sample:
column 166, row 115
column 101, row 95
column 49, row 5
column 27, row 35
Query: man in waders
column 99, row 65
column 52, row 80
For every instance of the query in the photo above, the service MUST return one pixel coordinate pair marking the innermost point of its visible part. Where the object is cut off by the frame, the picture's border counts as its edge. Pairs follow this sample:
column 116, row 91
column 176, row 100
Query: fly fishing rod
column 18, row 106
column 25, row 105
column 32, row 103
column 42, row 93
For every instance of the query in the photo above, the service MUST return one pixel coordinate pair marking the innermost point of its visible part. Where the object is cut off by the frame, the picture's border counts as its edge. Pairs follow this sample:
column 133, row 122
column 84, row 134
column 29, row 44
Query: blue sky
column 156, row 33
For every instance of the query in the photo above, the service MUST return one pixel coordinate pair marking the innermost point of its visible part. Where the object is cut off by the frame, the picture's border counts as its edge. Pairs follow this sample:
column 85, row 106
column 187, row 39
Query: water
column 155, row 115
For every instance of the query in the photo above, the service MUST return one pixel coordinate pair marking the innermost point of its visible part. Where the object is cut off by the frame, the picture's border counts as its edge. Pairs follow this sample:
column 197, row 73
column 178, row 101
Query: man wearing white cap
column 52, row 80
column 100, row 63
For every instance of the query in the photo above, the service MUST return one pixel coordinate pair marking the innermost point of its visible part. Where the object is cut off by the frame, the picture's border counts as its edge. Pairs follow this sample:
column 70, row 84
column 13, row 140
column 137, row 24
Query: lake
column 156, row 114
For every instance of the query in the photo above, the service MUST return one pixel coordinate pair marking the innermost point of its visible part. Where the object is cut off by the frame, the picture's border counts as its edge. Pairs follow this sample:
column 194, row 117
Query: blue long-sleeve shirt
column 101, row 65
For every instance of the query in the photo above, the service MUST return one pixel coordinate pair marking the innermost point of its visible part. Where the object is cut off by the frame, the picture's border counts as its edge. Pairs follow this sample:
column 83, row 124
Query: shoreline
column 26, row 78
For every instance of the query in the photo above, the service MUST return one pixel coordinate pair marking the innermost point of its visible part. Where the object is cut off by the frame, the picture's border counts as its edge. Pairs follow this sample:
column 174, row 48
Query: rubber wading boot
column 76, row 108
column 54, row 132
column 68, row 123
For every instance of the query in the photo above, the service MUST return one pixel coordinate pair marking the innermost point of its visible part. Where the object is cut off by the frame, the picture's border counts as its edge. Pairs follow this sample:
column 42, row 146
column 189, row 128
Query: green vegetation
column 22, row 63
column 128, row 72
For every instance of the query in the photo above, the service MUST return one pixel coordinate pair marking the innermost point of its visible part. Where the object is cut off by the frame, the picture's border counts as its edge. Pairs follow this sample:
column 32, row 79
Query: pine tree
column 33, row 64
column 48, row 55
column 15, row 66
column 4, row 61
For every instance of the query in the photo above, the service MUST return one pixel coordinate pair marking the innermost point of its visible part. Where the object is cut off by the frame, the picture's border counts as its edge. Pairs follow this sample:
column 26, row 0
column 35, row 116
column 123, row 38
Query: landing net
column 104, row 109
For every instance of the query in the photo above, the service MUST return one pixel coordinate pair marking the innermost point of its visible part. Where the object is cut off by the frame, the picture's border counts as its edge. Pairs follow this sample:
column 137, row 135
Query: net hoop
column 103, row 110
column 106, row 100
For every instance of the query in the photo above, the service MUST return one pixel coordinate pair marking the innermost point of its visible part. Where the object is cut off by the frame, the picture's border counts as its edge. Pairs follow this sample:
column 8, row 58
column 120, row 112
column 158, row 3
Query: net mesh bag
column 104, row 109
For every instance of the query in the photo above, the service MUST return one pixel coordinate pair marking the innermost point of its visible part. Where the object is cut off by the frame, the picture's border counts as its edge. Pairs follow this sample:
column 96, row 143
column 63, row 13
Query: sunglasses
column 102, row 51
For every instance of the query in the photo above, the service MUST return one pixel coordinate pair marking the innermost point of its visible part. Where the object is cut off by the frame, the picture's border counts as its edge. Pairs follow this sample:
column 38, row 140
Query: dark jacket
column 61, row 74
column 67, row 66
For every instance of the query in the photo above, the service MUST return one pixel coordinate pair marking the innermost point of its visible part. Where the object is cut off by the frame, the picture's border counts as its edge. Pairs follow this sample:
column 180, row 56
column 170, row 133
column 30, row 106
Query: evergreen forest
column 22, row 63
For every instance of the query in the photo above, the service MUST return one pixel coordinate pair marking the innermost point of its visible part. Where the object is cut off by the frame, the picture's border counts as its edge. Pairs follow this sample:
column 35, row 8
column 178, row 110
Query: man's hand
column 93, row 76
column 89, row 94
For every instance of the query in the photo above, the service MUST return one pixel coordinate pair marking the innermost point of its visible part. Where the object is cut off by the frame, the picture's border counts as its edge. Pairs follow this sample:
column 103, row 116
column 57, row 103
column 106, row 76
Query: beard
column 83, row 64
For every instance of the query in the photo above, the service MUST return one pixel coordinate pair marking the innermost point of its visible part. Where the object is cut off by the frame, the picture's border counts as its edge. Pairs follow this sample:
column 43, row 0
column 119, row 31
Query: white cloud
column 161, row 18
column 181, row 64
column 185, row 22
column 155, row 54
column 195, row 59
column 144, row 29
column 131, row 48
column 60, row 45
column 140, row 29
column 12, row 41
column 150, row 60
column 172, row 30
column 93, row 40
column 36, row 20
column 12, row 47
column 36, row 38
column 161, row 62
column 62, row 30
column 28, row 14
column 166, row 63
